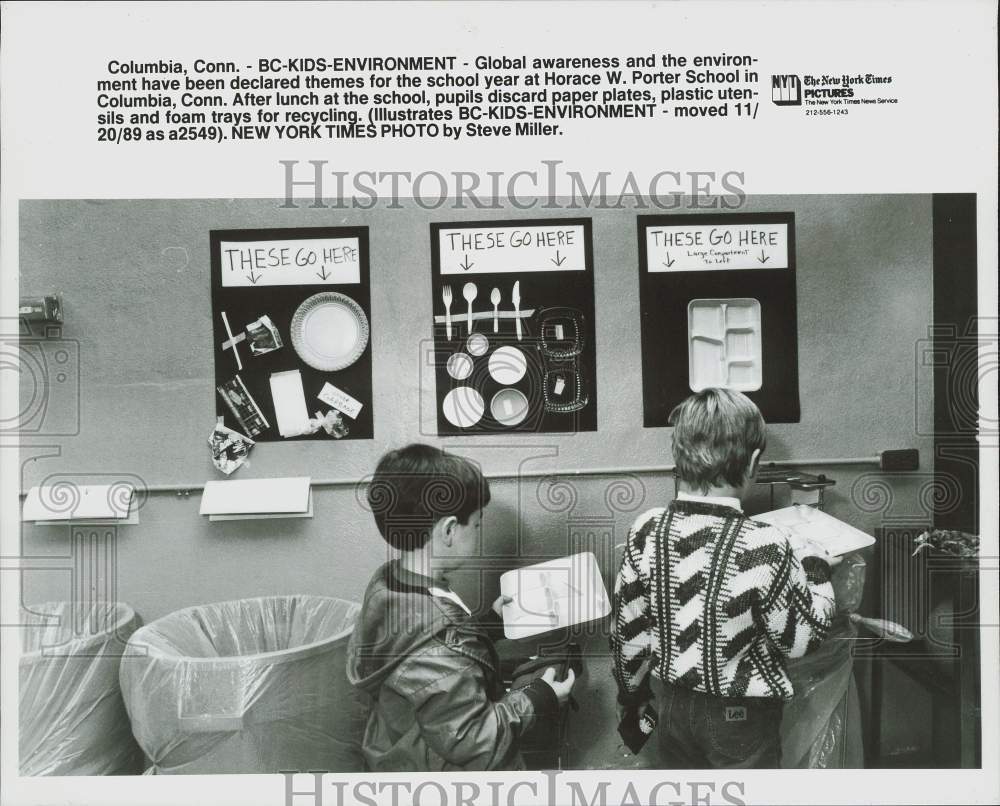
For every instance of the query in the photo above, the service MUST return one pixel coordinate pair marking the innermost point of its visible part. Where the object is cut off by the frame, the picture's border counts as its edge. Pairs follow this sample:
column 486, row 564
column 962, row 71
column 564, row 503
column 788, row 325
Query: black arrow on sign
column 322, row 275
column 253, row 279
column 669, row 262
column 558, row 260
column 466, row 265
column 763, row 258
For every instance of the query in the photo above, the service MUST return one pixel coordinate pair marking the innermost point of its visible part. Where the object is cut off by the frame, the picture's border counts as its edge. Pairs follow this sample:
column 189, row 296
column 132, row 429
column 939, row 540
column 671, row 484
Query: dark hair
column 716, row 432
column 414, row 487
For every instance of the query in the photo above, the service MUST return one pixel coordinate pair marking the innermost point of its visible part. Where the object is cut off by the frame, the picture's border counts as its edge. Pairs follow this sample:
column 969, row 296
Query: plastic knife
column 516, row 299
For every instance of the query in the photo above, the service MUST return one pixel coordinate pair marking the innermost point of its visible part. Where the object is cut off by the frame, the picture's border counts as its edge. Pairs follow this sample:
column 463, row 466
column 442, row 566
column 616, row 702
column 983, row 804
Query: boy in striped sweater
column 713, row 603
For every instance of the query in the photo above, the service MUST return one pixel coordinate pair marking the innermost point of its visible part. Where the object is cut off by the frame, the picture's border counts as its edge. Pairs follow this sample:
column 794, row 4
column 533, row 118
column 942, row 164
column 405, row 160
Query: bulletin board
column 718, row 308
column 312, row 287
column 526, row 359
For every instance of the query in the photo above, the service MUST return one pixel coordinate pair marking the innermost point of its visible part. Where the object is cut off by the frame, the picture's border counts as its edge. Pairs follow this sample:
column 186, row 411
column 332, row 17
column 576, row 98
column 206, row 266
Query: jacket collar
column 707, row 505
column 402, row 580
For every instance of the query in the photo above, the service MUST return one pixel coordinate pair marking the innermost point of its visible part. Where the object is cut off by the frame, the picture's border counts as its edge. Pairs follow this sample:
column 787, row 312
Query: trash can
column 821, row 725
column 72, row 717
column 247, row 686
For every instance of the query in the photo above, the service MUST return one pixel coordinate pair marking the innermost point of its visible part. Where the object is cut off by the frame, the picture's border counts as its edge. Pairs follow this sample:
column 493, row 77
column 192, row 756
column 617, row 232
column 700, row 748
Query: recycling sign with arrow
column 307, row 261
column 701, row 247
column 506, row 247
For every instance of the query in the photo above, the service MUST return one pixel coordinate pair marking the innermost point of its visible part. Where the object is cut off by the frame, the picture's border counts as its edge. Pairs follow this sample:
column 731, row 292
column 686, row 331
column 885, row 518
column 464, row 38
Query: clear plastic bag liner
column 821, row 725
column 72, row 717
column 247, row 686
column 848, row 580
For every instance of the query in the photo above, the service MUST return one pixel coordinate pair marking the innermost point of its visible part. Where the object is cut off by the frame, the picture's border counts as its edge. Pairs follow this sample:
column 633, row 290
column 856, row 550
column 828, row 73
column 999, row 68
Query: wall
column 135, row 280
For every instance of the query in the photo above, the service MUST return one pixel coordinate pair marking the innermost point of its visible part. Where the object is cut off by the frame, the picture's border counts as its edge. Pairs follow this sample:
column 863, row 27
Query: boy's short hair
column 715, row 433
column 414, row 487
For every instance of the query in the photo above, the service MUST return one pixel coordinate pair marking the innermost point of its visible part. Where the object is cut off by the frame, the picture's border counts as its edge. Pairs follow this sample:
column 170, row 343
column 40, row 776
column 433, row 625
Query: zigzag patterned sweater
column 713, row 601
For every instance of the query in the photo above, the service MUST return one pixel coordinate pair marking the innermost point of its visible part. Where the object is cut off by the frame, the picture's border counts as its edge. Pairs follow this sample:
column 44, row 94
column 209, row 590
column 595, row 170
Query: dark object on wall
column 289, row 275
column 41, row 309
column 513, row 318
column 725, row 257
column 899, row 461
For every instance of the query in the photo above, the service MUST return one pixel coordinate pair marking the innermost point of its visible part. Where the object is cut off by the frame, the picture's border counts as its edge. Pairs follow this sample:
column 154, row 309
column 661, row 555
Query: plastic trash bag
column 821, row 725
column 71, row 713
column 248, row 686
column 848, row 580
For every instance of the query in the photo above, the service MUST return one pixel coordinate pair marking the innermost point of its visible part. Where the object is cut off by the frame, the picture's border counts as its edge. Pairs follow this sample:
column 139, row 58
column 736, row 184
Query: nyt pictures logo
column 786, row 90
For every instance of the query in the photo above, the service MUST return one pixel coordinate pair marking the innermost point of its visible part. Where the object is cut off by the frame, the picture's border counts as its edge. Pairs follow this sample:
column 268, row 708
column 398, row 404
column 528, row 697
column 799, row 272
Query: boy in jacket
column 431, row 672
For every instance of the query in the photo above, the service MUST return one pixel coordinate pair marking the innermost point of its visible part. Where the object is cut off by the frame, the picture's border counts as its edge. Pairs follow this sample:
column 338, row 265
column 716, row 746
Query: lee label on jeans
column 340, row 400
column 736, row 713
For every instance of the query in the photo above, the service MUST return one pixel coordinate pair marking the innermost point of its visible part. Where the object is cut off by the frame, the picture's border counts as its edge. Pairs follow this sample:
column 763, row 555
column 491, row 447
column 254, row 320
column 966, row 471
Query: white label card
column 306, row 261
column 706, row 247
column 340, row 400
column 503, row 249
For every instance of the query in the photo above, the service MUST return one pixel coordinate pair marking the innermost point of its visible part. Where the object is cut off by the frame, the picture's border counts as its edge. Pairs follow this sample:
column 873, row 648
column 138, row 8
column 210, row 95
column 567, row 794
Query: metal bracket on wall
column 46, row 309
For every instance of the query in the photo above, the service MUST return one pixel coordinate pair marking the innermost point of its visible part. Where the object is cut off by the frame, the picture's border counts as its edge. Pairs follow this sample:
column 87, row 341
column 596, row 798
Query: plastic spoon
column 495, row 299
column 469, row 292
column 446, row 298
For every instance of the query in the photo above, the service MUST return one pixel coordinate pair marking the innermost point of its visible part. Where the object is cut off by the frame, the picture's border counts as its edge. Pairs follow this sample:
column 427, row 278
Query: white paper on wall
column 257, row 496
column 75, row 502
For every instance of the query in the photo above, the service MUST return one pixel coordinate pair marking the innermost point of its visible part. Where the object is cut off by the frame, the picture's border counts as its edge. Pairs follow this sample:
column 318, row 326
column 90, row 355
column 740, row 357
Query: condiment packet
column 264, row 336
column 229, row 448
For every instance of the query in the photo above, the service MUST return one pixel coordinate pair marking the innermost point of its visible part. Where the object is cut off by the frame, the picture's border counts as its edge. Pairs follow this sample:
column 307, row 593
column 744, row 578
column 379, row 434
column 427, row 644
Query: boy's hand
column 563, row 688
column 499, row 604
column 814, row 549
column 641, row 710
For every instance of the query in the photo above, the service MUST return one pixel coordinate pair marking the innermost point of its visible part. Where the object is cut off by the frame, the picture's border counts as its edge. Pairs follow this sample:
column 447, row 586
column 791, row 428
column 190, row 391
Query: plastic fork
column 446, row 298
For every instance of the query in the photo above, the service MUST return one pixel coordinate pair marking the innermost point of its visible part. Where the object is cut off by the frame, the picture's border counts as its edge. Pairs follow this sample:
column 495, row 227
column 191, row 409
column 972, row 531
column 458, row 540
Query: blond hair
column 715, row 434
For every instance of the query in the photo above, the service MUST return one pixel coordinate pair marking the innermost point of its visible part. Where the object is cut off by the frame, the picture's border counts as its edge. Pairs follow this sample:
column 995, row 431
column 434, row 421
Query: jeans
column 702, row 732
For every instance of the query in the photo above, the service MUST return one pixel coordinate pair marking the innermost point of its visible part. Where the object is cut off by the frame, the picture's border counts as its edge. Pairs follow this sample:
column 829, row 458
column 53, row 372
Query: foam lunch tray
column 724, row 344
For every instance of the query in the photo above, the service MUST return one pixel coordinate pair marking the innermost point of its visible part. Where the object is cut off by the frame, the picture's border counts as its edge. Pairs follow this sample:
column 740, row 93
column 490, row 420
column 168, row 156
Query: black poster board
column 273, row 272
column 689, row 257
column 548, row 384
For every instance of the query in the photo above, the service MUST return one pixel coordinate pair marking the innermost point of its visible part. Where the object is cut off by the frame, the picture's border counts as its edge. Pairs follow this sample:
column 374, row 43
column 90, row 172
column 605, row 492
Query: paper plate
column 509, row 407
column 329, row 331
column 478, row 344
column 508, row 365
column 463, row 407
column 459, row 366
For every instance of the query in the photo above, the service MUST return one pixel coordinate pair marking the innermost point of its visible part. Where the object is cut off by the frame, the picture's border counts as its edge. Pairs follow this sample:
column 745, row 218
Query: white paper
column 74, row 502
column 255, row 496
column 505, row 248
column 805, row 524
column 289, row 403
column 307, row 261
column 260, row 516
column 554, row 594
column 340, row 400
column 720, row 247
